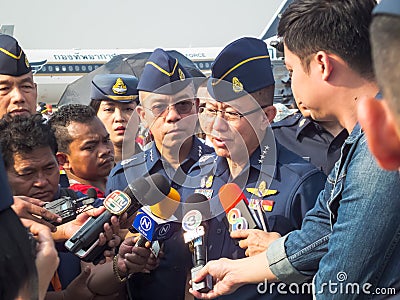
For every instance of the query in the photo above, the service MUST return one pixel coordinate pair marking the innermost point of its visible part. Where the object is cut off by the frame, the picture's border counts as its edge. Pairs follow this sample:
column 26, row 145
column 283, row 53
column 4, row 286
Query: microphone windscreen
column 149, row 190
column 230, row 195
column 166, row 207
column 198, row 202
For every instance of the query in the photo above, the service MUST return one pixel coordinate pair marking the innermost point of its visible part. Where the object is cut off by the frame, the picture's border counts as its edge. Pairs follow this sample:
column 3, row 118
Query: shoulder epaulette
column 289, row 121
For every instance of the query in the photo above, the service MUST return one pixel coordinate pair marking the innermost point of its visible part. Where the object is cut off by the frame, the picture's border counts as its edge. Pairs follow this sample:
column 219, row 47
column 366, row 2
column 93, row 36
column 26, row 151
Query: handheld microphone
column 68, row 208
column 150, row 190
column 156, row 222
column 236, row 208
column 194, row 227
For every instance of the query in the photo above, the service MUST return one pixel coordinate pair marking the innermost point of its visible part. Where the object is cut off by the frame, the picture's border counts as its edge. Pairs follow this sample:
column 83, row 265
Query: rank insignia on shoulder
column 302, row 122
column 262, row 190
column 205, row 157
column 206, row 192
column 127, row 161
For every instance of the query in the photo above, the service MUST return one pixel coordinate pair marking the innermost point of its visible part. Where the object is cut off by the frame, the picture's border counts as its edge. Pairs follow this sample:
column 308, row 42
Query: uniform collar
column 302, row 124
column 263, row 158
column 152, row 155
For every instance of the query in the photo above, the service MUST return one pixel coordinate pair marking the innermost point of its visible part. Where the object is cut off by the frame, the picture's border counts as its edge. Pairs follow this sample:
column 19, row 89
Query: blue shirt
column 169, row 280
column 296, row 181
column 310, row 140
column 352, row 235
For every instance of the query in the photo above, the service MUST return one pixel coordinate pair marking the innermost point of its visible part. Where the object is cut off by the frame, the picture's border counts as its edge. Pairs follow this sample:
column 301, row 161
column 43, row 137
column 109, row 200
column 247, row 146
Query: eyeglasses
column 181, row 107
column 229, row 116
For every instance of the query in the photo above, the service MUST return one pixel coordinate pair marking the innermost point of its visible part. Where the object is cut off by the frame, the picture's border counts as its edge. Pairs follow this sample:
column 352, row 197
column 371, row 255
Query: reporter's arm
column 228, row 275
column 67, row 230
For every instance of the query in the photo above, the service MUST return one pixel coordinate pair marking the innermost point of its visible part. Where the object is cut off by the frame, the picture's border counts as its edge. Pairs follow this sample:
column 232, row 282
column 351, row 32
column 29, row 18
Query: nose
column 106, row 148
column 171, row 114
column 119, row 116
column 17, row 96
column 220, row 124
column 40, row 180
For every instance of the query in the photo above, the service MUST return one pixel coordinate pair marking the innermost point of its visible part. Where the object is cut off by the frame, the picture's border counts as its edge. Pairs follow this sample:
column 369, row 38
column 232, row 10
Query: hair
column 95, row 104
column 21, row 134
column 336, row 26
column 265, row 96
column 65, row 115
column 385, row 42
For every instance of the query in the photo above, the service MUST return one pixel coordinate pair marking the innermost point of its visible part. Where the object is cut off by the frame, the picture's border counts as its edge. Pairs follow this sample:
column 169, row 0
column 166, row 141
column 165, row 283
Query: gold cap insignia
column 262, row 190
column 181, row 74
column 26, row 62
column 237, row 86
column 119, row 87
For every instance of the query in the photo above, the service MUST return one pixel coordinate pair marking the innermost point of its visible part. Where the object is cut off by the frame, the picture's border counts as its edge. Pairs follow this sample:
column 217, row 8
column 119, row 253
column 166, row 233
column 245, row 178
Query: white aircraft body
column 54, row 69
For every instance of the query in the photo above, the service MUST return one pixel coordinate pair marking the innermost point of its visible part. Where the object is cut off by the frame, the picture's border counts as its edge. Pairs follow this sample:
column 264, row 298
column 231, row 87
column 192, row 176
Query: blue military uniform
column 283, row 183
column 169, row 280
column 297, row 184
column 310, row 140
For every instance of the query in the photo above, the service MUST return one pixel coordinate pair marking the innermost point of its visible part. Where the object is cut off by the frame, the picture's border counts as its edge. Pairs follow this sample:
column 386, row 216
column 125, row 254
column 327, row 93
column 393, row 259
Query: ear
column 141, row 113
column 63, row 160
column 380, row 129
column 270, row 113
column 325, row 64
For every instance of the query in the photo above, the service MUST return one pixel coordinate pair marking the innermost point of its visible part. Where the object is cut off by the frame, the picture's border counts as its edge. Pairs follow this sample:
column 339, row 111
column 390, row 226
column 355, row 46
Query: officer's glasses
column 210, row 114
column 181, row 107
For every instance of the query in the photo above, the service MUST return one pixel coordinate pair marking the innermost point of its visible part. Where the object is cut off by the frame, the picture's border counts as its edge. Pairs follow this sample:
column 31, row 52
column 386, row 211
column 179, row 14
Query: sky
column 104, row 24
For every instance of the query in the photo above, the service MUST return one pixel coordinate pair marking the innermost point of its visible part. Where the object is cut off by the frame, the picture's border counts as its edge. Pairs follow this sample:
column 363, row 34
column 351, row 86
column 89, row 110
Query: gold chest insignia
column 262, row 190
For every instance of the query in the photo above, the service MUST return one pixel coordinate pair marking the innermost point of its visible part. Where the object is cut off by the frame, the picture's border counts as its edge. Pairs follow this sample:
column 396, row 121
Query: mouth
column 120, row 130
column 107, row 161
column 19, row 111
column 218, row 142
column 42, row 195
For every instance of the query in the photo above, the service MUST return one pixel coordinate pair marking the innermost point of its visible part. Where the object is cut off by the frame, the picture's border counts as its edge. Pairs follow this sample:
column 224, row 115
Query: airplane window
column 77, row 68
column 83, row 68
column 57, row 68
column 201, row 65
column 96, row 66
column 44, row 68
column 70, row 68
column 64, row 68
column 50, row 68
column 90, row 68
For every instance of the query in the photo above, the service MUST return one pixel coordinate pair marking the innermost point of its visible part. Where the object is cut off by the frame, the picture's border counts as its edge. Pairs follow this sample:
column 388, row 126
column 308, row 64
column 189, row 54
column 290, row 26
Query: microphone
column 148, row 190
column 194, row 227
column 236, row 208
column 156, row 222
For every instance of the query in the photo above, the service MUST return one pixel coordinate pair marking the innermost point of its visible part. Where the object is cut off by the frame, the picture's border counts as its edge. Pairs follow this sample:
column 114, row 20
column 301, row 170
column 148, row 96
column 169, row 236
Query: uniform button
column 219, row 230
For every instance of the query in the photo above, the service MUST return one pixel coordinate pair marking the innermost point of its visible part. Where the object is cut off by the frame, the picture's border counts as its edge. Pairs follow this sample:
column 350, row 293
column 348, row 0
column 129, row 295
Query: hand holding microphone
column 150, row 190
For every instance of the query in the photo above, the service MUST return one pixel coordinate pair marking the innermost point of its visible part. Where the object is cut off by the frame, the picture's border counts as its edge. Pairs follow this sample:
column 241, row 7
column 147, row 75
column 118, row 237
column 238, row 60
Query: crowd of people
column 321, row 186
